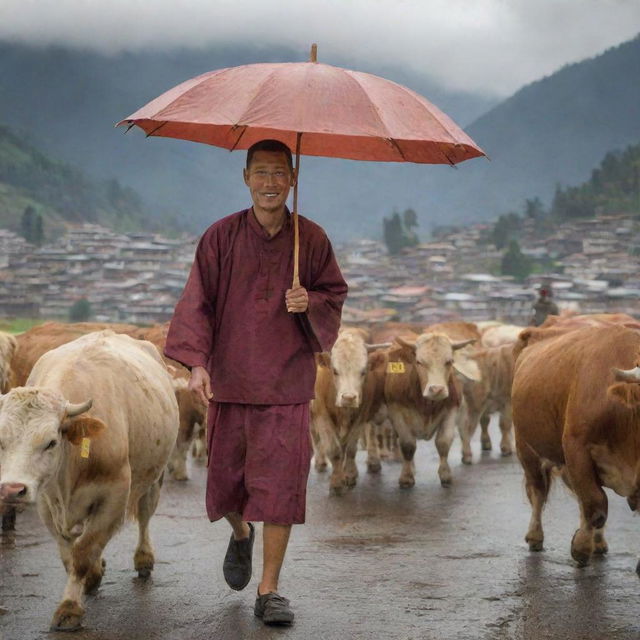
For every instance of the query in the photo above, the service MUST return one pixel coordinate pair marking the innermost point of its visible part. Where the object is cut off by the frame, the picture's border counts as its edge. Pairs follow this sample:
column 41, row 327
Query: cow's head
column 349, row 362
column 435, row 362
column 37, row 428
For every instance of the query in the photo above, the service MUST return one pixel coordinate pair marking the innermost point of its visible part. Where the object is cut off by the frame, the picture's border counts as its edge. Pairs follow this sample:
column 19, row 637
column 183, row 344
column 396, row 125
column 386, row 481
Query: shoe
column 273, row 609
column 237, row 561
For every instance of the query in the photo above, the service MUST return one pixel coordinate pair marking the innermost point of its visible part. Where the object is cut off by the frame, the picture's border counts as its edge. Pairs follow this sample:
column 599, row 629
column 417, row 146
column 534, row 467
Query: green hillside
column 614, row 187
column 59, row 192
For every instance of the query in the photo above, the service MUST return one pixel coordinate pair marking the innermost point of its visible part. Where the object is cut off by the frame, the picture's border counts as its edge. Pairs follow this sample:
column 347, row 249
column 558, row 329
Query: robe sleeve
column 327, row 292
column 191, row 332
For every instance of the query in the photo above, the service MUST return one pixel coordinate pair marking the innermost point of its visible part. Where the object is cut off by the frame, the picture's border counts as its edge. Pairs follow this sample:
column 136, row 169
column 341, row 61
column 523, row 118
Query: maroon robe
column 232, row 317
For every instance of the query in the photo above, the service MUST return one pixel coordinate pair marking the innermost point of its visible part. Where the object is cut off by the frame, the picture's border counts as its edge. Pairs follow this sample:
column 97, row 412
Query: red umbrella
column 316, row 109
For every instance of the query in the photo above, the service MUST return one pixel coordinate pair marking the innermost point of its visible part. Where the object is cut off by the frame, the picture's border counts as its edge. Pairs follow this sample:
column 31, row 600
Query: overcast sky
column 492, row 47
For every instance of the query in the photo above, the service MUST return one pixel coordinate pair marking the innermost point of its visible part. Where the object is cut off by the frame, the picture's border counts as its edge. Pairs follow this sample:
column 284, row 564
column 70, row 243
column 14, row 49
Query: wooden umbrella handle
column 296, row 231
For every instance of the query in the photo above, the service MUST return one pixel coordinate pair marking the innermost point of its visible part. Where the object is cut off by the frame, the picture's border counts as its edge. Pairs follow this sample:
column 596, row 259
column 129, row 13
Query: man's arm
column 191, row 332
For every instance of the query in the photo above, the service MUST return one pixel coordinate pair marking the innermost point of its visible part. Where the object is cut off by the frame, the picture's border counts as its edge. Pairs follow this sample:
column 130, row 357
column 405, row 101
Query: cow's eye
column 335, row 372
column 1, row 446
column 52, row 444
column 449, row 363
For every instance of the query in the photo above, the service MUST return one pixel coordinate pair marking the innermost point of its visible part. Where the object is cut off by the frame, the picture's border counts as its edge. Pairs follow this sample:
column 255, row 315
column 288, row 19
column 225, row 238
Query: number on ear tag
column 85, row 446
column 395, row 367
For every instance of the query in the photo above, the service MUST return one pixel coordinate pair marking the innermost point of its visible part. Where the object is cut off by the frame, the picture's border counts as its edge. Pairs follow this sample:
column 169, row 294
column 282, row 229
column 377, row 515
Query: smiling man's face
column 269, row 179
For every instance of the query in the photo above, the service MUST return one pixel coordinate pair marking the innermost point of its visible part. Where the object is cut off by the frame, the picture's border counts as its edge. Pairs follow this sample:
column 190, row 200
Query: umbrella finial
column 313, row 56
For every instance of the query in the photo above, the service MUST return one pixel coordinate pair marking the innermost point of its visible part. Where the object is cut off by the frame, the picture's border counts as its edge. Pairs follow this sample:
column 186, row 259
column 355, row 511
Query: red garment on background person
column 232, row 317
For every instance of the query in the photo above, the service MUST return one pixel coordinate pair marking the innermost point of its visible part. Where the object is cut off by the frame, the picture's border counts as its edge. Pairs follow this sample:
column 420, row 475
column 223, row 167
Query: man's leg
column 240, row 528
column 275, row 540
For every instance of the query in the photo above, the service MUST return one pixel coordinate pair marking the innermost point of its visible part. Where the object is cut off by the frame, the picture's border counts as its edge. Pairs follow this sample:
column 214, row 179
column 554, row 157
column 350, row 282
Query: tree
column 398, row 232
column 80, row 310
column 515, row 263
column 31, row 227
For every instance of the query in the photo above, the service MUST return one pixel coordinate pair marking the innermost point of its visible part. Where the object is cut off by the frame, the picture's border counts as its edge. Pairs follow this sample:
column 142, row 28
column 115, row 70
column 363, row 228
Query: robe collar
column 259, row 229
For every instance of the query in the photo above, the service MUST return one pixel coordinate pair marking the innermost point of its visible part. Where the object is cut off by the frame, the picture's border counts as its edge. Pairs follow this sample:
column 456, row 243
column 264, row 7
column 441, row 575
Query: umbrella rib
column 237, row 142
column 156, row 129
column 397, row 146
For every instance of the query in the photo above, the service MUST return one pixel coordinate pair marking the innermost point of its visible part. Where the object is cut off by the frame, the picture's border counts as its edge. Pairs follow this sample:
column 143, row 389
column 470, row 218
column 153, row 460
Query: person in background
column 543, row 307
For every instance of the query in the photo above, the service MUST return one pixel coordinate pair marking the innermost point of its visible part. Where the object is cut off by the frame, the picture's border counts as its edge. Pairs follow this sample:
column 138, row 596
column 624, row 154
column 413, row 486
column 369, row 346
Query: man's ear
column 245, row 176
column 83, row 427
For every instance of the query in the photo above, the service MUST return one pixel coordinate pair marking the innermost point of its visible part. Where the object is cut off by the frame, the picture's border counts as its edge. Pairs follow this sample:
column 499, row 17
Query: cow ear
column 466, row 367
column 85, row 427
column 324, row 359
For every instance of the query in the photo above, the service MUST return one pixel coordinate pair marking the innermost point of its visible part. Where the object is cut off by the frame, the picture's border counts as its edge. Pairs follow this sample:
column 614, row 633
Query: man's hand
column 200, row 384
column 297, row 300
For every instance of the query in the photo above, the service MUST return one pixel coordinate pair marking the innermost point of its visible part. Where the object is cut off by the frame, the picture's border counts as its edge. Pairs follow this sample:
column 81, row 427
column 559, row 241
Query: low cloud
column 488, row 47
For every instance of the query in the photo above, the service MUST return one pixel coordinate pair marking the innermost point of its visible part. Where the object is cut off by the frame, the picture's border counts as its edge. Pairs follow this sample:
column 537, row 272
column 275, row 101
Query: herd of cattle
column 93, row 414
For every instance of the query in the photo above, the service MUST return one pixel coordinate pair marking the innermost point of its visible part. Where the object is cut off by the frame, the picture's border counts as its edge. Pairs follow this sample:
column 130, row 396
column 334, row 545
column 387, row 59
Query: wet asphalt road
column 379, row 562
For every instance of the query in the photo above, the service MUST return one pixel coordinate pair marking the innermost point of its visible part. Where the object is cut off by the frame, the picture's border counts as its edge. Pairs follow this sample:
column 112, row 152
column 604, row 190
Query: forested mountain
column 551, row 132
column 59, row 193
column 614, row 187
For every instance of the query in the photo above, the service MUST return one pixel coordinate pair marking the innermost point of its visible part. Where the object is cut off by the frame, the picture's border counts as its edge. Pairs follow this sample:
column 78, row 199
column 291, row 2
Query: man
column 249, row 340
column 543, row 307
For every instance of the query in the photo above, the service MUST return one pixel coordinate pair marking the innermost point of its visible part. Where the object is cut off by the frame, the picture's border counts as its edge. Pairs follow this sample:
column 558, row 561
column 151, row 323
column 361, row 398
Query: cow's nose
column 435, row 390
column 348, row 397
column 12, row 490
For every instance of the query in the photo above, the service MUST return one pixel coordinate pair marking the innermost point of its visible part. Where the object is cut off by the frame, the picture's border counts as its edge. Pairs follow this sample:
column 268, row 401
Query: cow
column 346, row 397
column 491, row 393
column 42, row 338
column 8, row 346
column 471, row 400
column 32, row 343
column 576, row 400
column 87, row 439
column 193, row 421
column 497, row 335
column 422, row 396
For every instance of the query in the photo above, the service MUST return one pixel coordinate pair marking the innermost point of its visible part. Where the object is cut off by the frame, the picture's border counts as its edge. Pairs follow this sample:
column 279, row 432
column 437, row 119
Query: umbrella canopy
column 315, row 109
column 340, row 114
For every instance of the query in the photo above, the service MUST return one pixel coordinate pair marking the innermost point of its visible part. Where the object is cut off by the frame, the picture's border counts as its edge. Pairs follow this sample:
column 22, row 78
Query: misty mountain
column 59, row 193
column 67, row 101
column 553, row 131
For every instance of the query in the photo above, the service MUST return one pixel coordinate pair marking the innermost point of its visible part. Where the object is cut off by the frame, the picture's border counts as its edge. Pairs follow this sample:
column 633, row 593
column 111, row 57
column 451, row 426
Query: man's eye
column 280, row 174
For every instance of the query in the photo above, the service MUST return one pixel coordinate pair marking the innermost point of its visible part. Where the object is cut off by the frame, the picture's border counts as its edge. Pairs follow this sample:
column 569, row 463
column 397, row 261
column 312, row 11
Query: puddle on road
column 368, row 541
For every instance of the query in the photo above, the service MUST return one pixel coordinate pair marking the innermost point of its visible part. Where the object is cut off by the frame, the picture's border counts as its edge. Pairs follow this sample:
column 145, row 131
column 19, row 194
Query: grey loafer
column 237, row 561
column 273, row 609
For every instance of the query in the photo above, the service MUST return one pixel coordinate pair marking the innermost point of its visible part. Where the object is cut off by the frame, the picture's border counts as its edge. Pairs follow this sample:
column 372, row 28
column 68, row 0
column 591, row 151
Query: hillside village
column 138, row 277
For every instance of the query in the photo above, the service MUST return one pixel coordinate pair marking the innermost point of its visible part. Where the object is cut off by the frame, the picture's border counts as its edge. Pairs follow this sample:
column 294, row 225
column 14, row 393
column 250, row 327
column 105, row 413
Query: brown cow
column 575, row 410
column 347, row 394
column 421, row 395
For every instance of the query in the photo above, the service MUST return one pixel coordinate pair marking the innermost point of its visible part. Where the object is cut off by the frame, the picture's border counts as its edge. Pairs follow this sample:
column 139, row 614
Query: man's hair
column 270, row 145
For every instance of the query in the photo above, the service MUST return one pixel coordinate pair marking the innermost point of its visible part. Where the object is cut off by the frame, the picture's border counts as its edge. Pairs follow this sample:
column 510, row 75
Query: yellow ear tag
column 395, row 367
column 85, row 445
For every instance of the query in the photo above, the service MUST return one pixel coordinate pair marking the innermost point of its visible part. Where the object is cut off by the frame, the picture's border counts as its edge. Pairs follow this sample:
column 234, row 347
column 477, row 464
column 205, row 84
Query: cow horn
column 379, row 345
column 463, row 343
column 405, row 343
column 72, row 410
column 628, row 375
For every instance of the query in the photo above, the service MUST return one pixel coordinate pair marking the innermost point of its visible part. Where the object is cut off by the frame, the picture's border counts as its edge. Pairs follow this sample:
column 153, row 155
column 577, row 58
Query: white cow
column 87, row 440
